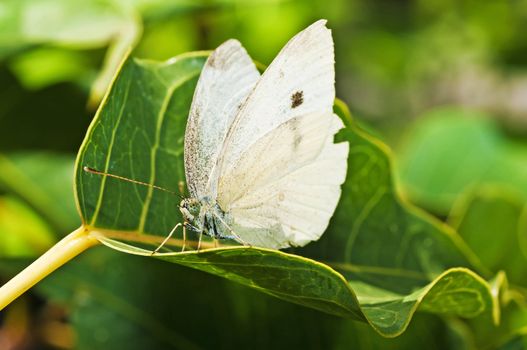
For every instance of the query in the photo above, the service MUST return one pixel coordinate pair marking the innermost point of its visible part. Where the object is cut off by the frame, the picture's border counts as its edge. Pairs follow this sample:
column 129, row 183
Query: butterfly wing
column 226, row 80
column 279, row 172
column 285, row 187
column 299, row 81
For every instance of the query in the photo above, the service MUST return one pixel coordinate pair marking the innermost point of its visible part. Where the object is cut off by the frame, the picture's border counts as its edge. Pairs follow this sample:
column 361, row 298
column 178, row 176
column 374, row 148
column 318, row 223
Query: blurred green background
column 443, row 82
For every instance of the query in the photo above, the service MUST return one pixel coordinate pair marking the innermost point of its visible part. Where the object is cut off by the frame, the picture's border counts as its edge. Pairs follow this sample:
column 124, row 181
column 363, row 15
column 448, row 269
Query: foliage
column 435, row 173
column 386, row 274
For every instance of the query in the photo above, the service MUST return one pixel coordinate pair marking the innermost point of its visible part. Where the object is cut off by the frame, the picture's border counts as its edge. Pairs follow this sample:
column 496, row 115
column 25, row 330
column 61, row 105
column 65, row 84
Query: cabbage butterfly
column 260, row 161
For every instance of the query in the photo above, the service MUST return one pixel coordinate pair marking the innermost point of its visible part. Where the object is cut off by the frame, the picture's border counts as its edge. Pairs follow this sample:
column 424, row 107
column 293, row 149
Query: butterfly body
column 204, row 216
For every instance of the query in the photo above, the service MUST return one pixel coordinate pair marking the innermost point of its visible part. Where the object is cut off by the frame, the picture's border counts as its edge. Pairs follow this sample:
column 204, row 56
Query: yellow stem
column 62, row 252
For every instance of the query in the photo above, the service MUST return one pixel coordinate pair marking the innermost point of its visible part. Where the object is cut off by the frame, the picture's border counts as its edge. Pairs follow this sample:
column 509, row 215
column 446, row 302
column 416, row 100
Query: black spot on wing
column 297, row 99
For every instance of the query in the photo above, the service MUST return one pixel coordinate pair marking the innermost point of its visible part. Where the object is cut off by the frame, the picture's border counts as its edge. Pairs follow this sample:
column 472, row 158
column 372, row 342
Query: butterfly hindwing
column 286, row 186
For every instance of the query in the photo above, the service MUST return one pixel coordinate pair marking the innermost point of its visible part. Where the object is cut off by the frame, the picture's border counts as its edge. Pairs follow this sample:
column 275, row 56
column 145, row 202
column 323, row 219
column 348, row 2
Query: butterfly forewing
column 225, row 82
column 299, row 81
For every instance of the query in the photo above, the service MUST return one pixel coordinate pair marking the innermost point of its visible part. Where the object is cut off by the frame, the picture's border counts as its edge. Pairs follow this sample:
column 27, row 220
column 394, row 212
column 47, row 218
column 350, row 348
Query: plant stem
column 62, row 252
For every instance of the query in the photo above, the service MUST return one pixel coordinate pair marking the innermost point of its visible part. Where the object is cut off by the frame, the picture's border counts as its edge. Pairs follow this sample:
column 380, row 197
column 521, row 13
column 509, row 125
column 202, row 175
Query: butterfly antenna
column 97, row 172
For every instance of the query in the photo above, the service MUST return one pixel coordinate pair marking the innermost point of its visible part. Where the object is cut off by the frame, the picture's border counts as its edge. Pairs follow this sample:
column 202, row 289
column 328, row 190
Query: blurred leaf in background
column 493, row 215
column 44, row 181
column 24, row 233
column 492, row 221
column 85, row 24
column 450, row 150
column 394, row 59
column 402, row 58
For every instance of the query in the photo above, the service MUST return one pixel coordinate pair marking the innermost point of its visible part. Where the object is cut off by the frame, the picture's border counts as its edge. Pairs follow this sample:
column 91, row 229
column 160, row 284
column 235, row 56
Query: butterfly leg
column 166, row 239
column 184, row 236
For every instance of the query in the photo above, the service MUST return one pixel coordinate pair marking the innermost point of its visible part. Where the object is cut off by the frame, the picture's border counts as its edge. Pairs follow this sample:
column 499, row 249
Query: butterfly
column 260, row 161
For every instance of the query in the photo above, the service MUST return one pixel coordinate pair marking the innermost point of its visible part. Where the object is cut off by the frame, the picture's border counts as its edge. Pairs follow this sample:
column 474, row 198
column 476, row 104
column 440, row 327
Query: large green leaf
column 451, row 149
column 492, row 220
column 166, row 306
column 516, row 342
column 43, row 180
column 86, row 23
column 492, row 214
column 22, row 231
column 391, row 259
column 43, row 66
column 82, row 24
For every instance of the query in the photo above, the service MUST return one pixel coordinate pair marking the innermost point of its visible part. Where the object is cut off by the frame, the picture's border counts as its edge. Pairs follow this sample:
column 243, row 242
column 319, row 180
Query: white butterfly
column 260, row 161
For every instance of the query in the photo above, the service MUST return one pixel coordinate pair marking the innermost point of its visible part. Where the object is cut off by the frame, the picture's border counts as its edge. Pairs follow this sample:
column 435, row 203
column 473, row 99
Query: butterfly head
column 190, row 208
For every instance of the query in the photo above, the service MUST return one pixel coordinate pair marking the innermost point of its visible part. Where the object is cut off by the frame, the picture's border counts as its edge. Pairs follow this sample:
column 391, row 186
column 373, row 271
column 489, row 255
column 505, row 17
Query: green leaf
column 82, row 24
column 452, row 149
column 168, row 306
column 22, row 231
column 148, row 103
column 391, row 258
column 513, row 322
column 43, row 180
column 86, row 23
column 491, row 214
column 41, row 67
column 518, row 342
